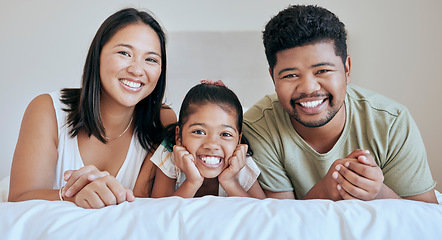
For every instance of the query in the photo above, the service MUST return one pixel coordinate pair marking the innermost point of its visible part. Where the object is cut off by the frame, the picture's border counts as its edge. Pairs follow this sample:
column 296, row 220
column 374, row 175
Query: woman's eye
column 124, row 53
column 153, row 60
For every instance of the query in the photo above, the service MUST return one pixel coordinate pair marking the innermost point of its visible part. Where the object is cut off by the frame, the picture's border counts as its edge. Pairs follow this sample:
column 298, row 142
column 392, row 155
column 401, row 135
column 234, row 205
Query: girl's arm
column 256, row 191
column 234, row 189
column 228, row 178
column 165, row 187
column 144, row 184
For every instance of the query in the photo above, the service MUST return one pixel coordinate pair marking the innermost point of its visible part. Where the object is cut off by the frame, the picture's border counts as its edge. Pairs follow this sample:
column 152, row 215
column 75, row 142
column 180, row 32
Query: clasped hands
column 89, row 187
column 355, row 177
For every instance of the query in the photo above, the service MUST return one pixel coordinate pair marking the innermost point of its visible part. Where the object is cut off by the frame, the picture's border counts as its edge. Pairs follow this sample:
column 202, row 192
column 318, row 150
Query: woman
column 110, row 125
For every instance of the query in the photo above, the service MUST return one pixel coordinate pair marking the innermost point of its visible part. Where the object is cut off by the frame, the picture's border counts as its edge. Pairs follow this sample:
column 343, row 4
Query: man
column 319, row 137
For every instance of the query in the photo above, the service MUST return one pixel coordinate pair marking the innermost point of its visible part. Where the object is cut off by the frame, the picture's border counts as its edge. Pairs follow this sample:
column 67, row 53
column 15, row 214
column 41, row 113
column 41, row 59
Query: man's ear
column 271, row 75
column 177, row 136
column 347, row 68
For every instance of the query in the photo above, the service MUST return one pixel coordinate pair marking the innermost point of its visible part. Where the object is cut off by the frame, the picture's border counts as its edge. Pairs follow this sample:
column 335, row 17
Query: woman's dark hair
column 300, row 25
column 84, row 104
column 203, row 94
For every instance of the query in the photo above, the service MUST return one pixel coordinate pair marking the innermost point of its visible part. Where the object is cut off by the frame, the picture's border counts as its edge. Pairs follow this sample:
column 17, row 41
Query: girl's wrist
column 228, row 183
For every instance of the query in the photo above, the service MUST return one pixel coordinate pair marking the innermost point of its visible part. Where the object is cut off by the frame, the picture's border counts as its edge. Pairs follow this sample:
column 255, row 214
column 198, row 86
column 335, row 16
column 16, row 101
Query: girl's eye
column 124, row 53
column 226, row 134
column 199, row 132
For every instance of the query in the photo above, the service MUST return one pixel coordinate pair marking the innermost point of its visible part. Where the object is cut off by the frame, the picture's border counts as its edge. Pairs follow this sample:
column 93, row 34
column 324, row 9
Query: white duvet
column 222, row 218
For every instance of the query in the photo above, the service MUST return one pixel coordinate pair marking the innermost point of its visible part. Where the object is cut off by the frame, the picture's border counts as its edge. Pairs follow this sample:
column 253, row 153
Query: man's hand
column 361, row 179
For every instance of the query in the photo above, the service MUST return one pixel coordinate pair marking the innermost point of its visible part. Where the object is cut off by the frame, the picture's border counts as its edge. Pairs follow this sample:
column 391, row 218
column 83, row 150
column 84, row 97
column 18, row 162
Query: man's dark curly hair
column 301, row 25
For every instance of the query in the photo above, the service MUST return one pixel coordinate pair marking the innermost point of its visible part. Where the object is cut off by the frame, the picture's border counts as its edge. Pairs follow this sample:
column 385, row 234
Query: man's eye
column 288, row 76
column 323, row 71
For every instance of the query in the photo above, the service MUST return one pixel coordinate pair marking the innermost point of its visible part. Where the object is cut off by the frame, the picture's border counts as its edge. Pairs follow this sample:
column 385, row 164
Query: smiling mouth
column 131, row 84
column 311, row 104
column 211, row 160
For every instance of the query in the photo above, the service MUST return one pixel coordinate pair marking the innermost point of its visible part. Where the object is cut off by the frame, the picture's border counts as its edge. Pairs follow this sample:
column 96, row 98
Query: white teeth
column 211, row 160
column 311, row 104
column 131, row 84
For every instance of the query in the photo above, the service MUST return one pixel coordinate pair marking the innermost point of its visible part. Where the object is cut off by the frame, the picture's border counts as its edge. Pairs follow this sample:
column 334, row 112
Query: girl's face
column 211, row 136
column 130, row 65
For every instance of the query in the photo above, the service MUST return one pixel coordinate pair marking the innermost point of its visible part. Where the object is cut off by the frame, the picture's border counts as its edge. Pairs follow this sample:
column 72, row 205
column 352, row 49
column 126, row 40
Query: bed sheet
column 223, row 218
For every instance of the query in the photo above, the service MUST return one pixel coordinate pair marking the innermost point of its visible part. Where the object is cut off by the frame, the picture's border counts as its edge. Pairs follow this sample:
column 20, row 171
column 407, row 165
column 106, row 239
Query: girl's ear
column 240, row 137
column 177, row 136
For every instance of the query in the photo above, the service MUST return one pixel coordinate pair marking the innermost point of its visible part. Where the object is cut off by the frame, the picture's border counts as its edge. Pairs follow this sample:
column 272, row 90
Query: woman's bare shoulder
column 167, row 115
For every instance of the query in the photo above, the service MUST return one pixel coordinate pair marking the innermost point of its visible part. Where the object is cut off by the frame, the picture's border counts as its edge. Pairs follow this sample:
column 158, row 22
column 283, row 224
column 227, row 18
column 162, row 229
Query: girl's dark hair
column 300, row 25
column 84, row 103
column 202, row 94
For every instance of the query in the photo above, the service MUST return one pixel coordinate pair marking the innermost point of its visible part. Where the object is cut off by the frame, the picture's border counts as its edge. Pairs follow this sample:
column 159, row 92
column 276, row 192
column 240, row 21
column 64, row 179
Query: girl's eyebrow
column 204, row 125
column 228, row 126
column 131, row 47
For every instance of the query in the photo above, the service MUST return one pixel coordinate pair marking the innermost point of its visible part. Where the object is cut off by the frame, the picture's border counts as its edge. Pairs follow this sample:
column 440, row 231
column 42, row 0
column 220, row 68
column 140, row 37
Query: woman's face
column 211, row 136
column 130, row 65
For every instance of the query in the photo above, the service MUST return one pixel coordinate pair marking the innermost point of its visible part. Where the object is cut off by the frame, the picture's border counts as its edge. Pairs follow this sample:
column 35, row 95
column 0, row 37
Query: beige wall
column 395, row 48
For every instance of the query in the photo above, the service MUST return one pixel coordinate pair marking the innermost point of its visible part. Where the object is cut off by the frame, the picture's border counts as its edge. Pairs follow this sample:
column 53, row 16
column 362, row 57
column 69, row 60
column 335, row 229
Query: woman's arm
column 35, row 156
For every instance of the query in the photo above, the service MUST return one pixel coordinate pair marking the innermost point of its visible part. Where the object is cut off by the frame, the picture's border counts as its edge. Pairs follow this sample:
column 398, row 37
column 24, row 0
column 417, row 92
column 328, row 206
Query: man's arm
column 363, row 179
column 280, row 195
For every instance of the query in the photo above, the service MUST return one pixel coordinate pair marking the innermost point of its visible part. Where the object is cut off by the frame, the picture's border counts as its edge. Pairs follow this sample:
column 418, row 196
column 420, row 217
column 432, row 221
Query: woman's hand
column 78, row 179
column 102, row 192
column 89, row 187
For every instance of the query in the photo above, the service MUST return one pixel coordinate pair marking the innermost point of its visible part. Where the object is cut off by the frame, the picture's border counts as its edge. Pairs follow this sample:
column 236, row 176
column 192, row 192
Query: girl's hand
column 186, row 163
column 78, row 179
column 235, row 163
column 102, row 192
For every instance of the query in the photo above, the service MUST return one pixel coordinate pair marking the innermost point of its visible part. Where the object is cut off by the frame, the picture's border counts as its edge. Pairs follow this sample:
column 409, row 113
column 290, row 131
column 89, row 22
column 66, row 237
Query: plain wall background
column 395, row 46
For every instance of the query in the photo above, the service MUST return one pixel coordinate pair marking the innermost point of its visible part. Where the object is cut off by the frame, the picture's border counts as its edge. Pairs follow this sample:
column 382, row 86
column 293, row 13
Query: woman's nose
column 135, row 68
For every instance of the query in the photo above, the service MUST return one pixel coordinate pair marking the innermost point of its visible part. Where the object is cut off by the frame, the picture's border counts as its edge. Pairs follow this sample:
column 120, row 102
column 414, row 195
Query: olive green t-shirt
column 373, row 122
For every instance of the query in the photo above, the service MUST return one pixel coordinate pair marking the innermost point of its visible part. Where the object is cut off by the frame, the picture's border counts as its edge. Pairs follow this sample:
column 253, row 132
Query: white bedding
column 222, row 218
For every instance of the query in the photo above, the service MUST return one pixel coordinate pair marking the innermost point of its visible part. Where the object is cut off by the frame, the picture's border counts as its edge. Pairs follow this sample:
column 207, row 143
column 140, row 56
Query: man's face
column 311, row 83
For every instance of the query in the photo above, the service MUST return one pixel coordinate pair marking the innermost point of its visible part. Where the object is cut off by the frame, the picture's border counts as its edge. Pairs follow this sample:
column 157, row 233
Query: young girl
column 208, row 157
column 103, row 131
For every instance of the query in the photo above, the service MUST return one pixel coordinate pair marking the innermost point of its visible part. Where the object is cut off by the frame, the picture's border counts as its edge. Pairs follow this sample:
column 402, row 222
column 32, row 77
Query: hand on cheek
column 186, row 163
column 235, row 163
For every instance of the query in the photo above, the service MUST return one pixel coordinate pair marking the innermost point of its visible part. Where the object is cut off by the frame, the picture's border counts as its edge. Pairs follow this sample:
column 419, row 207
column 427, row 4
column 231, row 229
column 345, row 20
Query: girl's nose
column 211, row 144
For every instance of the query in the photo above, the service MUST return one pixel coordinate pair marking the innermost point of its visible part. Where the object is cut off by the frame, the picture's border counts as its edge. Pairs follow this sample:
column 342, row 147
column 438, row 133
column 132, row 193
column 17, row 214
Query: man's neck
column 322, row 139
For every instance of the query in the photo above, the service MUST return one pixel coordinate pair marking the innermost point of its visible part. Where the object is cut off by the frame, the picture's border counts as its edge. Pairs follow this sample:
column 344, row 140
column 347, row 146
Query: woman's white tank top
column 69, row 155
